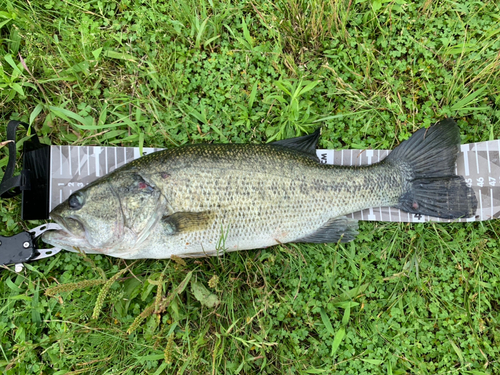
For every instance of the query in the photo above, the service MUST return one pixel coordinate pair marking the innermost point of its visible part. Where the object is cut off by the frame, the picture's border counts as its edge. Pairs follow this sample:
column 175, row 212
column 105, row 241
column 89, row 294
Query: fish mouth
column 70, row 237
column 71, row 225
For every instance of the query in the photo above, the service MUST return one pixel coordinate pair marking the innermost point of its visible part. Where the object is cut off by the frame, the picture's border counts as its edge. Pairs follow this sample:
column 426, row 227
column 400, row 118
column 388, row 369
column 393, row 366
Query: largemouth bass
column 206, row 199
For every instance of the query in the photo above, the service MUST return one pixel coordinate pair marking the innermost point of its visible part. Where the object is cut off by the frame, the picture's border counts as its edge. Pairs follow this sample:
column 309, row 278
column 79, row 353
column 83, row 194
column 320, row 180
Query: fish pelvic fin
column 427, row 162
column 334, row 230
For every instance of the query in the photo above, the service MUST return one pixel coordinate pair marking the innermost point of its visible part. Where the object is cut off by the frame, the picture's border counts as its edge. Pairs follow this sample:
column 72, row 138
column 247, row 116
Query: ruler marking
column 477, row 158
column 97, row 151
column 60, row 160
column 488, row 157
column 371, row 215
column 464, row 149
column 369, row 155
column 106, row 160
column 79, row 162
column 480, row 205
column 491, row 203
column 70, row 157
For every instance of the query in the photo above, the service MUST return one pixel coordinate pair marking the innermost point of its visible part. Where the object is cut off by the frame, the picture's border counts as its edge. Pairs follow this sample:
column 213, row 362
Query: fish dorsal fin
column 335, row 229
column 182, row 222
column 306, row 143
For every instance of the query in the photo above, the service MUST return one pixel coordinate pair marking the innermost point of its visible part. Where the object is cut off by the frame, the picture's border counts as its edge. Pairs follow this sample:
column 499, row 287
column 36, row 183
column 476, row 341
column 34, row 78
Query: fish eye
column 76, row 200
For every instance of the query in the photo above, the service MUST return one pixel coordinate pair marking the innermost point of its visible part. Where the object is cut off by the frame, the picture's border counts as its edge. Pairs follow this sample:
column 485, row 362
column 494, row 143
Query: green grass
column 400, row 299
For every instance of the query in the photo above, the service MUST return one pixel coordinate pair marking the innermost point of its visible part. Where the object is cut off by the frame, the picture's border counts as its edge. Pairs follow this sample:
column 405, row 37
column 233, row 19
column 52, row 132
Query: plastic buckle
column 21, row 248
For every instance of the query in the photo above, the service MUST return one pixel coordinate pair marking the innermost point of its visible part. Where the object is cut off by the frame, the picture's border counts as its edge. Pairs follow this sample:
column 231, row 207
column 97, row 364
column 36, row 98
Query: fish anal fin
column 306, row 143
column 334, row 230
column 182, row 222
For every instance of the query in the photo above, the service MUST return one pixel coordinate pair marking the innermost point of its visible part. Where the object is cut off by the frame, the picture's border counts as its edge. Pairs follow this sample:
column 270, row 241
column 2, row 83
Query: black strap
column 14, row 185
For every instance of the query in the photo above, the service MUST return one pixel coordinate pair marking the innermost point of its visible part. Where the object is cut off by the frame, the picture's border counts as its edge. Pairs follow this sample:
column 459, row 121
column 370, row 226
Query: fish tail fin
column 427, row 161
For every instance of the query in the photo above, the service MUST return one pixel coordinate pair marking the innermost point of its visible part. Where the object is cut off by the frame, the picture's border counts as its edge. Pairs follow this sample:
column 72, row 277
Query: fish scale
column 207, row 199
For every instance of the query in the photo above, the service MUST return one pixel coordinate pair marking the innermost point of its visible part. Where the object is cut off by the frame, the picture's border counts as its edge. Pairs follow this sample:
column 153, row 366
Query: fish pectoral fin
column 181, row 222
column 306, row 143
column 336, row 229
